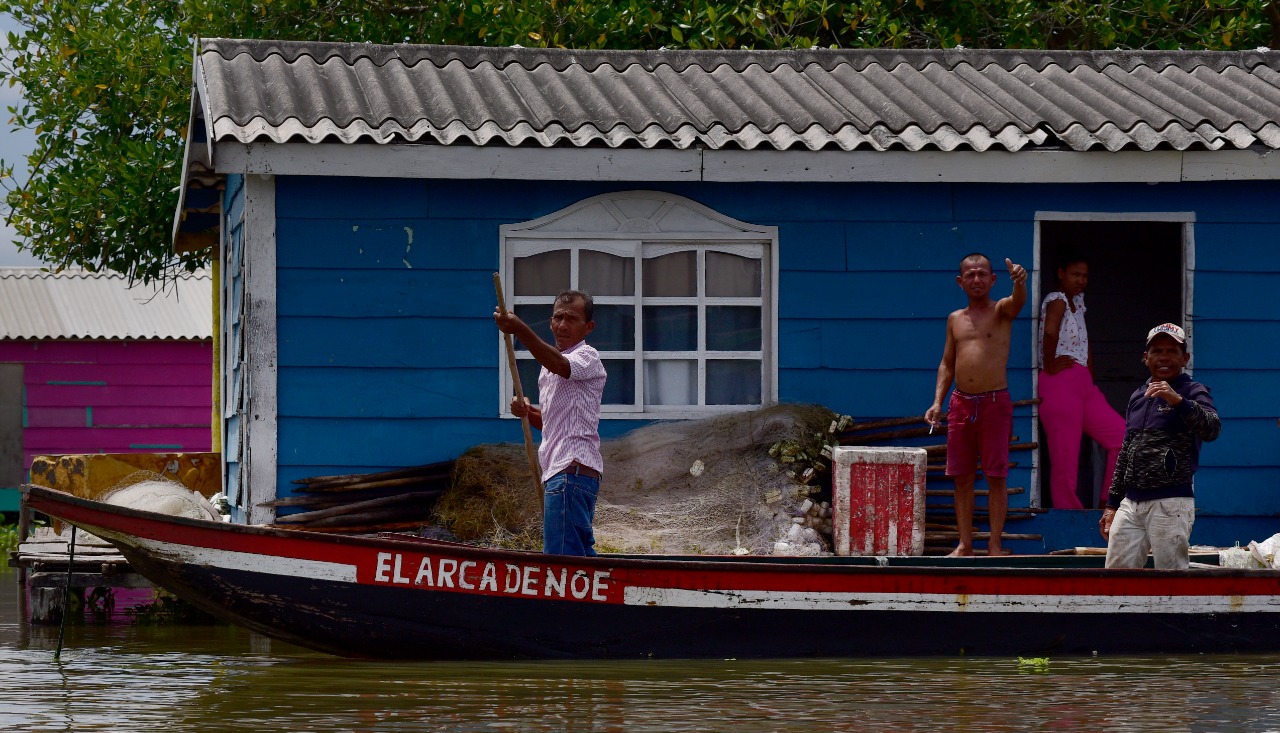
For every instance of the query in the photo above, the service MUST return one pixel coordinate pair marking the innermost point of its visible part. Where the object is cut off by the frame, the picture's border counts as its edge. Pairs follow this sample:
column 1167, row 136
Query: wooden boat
column 407, row 597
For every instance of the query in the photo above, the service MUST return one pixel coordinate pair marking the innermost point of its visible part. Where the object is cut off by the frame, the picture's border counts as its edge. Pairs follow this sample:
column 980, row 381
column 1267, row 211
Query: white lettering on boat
column 462, row 575
column 525, row 579
column 530, row 580
column 489, row 579
column 579, row 590
column 555, row 584
column 424, row 573
column 448, row 566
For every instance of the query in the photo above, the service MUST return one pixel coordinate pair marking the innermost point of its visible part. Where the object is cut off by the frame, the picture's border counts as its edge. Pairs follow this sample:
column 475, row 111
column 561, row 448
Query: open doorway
column 1137, row 275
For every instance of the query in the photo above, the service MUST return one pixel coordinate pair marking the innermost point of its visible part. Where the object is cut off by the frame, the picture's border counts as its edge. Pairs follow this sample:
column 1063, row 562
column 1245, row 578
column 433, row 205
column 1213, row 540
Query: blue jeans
column 568, row 505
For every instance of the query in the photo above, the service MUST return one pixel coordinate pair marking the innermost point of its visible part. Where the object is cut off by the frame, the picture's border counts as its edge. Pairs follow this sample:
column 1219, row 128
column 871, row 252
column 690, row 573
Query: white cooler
column 879, row 500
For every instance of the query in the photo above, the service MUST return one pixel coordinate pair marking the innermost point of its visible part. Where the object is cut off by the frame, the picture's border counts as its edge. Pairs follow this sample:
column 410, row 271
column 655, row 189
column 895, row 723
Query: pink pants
column 1070, row 403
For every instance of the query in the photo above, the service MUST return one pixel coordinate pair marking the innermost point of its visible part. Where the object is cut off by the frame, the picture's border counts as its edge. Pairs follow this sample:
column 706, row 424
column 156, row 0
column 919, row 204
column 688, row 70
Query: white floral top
column 1073, row 337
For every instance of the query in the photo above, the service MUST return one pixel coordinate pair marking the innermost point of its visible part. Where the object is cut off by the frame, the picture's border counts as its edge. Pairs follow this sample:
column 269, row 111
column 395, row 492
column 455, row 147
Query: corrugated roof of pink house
column 78, row 304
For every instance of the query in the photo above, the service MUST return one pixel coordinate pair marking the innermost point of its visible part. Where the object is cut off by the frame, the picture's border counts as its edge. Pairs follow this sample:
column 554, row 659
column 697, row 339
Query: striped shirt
column 571, row 412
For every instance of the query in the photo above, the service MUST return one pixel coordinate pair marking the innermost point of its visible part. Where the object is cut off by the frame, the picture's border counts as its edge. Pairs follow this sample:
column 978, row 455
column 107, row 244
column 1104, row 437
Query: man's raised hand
column 1017, row 273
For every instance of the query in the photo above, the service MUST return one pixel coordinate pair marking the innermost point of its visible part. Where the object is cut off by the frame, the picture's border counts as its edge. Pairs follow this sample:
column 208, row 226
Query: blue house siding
column 388, row 356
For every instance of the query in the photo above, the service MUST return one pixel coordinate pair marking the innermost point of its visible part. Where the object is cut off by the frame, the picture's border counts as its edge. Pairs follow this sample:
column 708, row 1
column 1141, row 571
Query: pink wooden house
column 89, row 364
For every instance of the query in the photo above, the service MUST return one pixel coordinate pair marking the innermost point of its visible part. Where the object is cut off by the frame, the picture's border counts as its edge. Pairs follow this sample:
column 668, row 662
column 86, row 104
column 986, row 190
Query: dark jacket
column 1161, row 447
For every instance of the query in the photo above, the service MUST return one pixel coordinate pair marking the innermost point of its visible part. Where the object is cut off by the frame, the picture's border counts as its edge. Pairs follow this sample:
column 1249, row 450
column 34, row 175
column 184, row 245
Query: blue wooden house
column 756, row 227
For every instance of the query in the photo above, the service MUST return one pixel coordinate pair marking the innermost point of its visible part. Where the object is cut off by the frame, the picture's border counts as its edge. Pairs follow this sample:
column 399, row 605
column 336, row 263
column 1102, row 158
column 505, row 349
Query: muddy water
column 125, row 677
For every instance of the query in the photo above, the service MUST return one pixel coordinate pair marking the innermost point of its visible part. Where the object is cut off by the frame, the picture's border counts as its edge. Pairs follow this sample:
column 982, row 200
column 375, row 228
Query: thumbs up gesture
column 1017, row 273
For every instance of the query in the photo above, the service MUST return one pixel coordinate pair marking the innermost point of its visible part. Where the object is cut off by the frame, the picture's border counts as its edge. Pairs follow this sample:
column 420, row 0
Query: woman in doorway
column 1070, row 403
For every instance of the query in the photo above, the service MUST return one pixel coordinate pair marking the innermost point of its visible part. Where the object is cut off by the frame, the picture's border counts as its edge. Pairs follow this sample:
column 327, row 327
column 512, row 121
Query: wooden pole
column 515, row 380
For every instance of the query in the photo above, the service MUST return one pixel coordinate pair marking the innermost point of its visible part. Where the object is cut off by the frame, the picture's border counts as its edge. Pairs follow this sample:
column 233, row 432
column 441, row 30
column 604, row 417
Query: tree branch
column 1272, row 9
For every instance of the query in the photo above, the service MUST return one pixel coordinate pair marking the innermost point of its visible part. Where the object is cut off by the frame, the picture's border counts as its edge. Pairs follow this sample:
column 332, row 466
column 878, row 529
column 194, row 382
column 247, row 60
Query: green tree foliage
column 107, row 83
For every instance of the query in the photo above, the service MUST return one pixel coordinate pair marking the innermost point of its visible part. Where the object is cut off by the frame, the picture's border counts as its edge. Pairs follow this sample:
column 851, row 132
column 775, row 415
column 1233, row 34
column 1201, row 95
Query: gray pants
column 1161, row 527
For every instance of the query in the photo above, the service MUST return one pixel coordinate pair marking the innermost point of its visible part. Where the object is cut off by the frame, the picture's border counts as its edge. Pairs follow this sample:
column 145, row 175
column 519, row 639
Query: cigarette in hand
column 931, row 428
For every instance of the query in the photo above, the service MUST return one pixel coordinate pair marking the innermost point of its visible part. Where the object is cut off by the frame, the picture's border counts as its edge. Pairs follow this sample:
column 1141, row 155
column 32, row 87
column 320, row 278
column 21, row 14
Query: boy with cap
column 1151, row 505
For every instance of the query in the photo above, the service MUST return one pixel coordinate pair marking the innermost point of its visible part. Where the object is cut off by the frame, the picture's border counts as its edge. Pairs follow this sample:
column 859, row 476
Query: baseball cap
column 1168, row 329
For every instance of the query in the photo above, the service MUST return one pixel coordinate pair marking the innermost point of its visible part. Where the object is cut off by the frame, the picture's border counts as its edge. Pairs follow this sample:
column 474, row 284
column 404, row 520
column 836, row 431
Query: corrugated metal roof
column 841, row 99
column 77, row 304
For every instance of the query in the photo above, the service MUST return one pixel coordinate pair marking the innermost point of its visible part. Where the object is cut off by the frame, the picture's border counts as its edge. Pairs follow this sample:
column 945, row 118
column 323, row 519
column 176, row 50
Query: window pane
column 542, row 274
column 670, row 327
column 672, row 382
column 732, row 276
column 600, row 273
column 733, row 328
column 538, row 317
column 620, row 387
column 615, row 329
column 528, row 369
column 733, row 382
column 671, row 276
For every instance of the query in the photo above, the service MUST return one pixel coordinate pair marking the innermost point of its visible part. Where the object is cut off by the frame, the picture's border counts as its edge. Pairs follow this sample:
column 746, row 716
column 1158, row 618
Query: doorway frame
column 1186, row 218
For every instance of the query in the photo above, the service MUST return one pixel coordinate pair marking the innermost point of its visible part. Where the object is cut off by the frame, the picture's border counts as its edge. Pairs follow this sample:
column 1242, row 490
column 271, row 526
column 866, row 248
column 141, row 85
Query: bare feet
column 994, row 549
column 961, row 551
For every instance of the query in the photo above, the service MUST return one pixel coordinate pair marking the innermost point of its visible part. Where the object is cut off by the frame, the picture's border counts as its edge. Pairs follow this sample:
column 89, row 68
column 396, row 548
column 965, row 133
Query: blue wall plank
column 379, row 442
column 397, row 293
column 765, row 204
column 915, row 343
column 1237, row 490
column 1235, row 295
column 1211, row 202
column 878, row 294
column 1237, row 392
column 513, row 201
column 818, row 245
column 391, row 393
column 1219, row 344
column 1243, row 442
column 883, row 393
column 374, row 442
column 799, row 344
column 934, row 246
column 387, row 244
column 333, row 197
column 389, row 342
column 1237, row 247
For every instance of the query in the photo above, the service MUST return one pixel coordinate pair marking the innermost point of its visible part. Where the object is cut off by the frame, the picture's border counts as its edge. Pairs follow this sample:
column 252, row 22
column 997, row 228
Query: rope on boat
column 66, row 595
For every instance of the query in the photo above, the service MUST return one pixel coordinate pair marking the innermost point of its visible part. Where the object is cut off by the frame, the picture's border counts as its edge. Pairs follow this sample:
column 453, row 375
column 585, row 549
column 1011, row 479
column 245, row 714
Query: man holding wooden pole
column 570, row 388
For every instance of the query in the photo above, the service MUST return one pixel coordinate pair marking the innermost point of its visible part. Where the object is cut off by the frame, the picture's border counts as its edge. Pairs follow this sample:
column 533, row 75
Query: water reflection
column 219, row 678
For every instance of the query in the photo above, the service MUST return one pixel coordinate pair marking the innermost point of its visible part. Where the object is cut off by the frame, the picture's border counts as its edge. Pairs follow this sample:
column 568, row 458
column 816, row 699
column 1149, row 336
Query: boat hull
column 409, row 598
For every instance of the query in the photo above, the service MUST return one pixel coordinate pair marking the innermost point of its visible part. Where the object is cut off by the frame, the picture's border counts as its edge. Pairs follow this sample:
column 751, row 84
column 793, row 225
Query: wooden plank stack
column 365, row 502
column 941, row 531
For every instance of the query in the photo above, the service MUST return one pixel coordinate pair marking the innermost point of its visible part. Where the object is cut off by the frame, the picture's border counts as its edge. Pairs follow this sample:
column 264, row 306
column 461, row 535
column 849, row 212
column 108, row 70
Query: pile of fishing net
column 152, row 492
column 746, row 482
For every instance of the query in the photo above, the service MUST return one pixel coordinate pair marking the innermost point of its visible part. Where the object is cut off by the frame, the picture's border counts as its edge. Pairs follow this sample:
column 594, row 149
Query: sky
column 14, row 147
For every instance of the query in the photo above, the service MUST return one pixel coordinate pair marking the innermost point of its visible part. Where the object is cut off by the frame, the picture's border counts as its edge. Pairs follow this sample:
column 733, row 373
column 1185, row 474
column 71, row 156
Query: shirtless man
column 981, row 413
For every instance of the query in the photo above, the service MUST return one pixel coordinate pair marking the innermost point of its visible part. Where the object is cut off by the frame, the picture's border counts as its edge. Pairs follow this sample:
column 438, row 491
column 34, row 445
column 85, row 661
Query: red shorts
column 979, row 426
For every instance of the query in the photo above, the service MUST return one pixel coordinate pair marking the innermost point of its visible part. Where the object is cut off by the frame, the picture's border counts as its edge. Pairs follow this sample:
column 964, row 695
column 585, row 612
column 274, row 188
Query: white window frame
column 643, row 224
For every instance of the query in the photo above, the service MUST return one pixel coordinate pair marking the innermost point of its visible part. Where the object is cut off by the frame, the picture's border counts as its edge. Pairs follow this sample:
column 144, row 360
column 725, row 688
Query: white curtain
column 732, row 276
column 671, row 382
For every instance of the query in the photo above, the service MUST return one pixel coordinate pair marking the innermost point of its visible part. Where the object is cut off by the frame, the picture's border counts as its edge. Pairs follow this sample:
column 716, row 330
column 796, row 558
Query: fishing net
column 152, row 492
column 742, row 482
